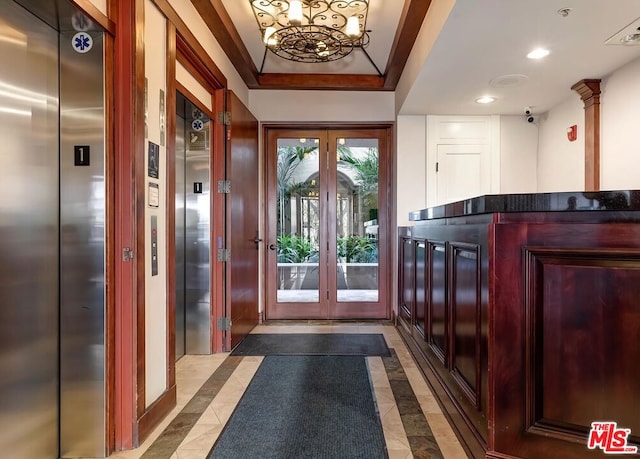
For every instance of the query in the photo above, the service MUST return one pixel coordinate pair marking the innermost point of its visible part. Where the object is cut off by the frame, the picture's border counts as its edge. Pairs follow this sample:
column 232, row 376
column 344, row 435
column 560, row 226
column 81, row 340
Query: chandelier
column 312, row 30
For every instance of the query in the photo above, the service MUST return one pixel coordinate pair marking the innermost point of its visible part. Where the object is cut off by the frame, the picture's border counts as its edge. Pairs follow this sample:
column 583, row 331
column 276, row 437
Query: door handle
column 272, row 247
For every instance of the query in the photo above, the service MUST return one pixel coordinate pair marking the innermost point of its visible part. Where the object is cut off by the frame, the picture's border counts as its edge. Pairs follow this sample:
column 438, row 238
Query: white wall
column 410, row 166
column 196, row 24
column 512, row 160
column 156, row 286
column 518, row 155
column 620, row 123
column 311, row 106
column 188, row 81
column 560, row 162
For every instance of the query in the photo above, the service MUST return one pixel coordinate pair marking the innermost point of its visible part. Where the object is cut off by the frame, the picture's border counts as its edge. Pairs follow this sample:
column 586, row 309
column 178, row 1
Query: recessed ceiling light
column 631, row 39
column 485, row 100
column 538, row 53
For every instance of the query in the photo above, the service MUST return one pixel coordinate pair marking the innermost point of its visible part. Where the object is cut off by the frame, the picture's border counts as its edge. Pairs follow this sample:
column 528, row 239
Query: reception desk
column 523, row 312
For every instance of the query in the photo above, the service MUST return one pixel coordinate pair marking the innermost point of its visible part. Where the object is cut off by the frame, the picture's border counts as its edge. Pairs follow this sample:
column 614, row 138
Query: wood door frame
column 200, row 69
column 386, row 280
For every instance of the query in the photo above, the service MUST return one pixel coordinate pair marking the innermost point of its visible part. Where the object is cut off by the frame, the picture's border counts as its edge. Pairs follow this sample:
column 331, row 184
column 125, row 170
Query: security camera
column 528, row 111
column 530, row 119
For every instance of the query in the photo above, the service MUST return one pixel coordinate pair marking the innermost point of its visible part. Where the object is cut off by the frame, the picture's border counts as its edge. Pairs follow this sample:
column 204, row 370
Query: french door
column 327, row 224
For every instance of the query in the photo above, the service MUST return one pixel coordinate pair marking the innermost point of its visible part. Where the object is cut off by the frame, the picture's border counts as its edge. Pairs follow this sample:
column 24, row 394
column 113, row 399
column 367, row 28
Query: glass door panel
column 327, row 243
column 356, row 200
column 297, row 214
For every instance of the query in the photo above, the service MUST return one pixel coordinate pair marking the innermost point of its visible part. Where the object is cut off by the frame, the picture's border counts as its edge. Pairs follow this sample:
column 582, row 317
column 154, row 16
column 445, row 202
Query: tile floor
column 193, row 371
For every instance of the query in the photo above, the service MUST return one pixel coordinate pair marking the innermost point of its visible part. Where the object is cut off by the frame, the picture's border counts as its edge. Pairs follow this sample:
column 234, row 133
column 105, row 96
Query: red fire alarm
column 572, row 133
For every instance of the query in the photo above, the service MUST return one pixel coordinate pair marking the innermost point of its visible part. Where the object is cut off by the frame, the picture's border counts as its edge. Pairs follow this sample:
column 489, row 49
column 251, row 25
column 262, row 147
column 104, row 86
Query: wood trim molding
column 589, row 91
column 219, row 22
column 335, row 82
column 139, row 200
column 413, row 14
column 129, row 143
column 96, row 15
column 156, row 412
column 111, row 258
column 194, row 48
column 170, row 115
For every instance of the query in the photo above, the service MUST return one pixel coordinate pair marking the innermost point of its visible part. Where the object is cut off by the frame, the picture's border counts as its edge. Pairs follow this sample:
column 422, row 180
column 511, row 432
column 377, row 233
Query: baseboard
column 156, row 413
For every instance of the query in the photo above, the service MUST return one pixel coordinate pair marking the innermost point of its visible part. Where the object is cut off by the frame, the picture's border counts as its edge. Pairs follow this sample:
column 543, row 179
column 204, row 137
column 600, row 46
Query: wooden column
column 589, row 91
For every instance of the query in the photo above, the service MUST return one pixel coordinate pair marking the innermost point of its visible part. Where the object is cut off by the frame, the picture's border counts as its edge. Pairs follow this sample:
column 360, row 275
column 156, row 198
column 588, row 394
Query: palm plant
column 366, row 173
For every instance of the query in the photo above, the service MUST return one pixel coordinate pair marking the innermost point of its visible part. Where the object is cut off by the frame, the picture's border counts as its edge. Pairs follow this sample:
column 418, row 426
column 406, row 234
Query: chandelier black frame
column 314, row 30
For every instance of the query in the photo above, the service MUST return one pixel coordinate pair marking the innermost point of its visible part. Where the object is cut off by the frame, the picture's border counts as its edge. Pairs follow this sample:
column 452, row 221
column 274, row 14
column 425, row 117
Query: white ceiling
column 483, row 40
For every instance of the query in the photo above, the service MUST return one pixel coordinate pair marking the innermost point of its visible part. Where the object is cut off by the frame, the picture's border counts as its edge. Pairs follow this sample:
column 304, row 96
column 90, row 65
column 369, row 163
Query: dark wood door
column 242, row 219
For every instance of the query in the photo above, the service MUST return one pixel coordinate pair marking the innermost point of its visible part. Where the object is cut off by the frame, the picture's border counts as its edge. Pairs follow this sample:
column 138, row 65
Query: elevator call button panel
column 154, row 245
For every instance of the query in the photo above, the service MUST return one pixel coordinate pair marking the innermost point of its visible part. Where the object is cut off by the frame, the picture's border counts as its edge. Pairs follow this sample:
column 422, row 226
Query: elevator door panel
column 193, row 234
column 82, row 249
column 28, row 235
column 180, row 237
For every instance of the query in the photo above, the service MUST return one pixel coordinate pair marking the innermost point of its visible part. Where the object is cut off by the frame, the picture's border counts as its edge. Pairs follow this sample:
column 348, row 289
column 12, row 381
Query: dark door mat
column 305, row 407
column 313, row 344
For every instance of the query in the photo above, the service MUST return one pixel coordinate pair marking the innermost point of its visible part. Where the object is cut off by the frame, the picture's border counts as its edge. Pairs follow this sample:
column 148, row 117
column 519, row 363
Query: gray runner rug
column 369, row 344
column 305, row 407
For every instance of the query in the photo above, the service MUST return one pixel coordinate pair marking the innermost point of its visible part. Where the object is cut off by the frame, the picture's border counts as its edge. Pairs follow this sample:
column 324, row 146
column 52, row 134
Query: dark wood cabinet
column 526, row 325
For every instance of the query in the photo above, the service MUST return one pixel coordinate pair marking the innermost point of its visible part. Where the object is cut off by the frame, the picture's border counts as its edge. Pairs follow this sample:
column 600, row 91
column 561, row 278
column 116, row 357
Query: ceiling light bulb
column 538, row 53
column 353, row 27
column 269, row 39
column 485, row 100
column 295, row 12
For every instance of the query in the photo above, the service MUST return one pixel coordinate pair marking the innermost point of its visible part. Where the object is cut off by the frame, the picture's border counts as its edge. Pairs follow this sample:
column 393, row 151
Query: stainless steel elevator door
column 180, row 236
column 29, row 254
column 196, row 223
column 82, row 249
column 52, row 234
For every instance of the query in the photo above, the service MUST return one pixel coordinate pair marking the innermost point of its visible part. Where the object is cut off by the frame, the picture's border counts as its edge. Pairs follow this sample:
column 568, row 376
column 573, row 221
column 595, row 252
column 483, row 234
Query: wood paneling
column 405, row 309
column 587, row 353
column 466, row 328
column 420, row 287
column 561, row 317
column 438, row 311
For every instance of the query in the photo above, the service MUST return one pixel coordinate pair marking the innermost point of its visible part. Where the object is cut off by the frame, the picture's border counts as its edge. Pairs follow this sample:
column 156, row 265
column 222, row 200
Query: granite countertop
column 534, row 202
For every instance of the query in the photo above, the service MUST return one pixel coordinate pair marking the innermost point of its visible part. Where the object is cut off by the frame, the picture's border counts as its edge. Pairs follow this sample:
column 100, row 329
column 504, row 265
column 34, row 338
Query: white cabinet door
column 462, row 157
column 460, row 172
